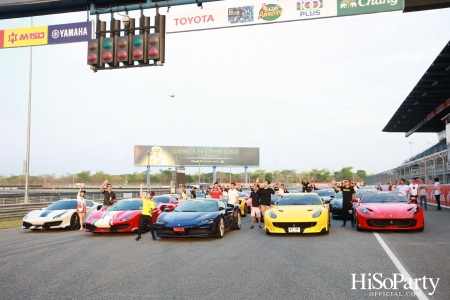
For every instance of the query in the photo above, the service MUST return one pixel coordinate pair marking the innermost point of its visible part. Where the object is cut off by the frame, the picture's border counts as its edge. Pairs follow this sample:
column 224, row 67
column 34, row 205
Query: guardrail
column 12, row 211
column 15, row 208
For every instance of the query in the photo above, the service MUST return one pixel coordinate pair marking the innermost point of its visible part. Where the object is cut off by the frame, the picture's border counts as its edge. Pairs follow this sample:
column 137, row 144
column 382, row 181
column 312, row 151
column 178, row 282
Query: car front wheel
column 75, row 222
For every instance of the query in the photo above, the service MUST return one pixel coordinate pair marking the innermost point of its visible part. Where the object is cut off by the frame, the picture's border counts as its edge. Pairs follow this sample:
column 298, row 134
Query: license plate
column 178, row 229
column 294, row 229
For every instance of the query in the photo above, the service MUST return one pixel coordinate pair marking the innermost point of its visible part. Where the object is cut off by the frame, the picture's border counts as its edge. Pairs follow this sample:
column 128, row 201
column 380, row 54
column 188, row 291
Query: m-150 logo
column 270, row 12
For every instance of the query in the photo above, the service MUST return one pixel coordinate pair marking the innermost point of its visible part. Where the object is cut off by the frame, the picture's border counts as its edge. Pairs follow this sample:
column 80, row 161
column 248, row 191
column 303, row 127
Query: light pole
column 410, row 143
column 27, row 174
column 148, row 170
column 45, row 169
column 126, row 174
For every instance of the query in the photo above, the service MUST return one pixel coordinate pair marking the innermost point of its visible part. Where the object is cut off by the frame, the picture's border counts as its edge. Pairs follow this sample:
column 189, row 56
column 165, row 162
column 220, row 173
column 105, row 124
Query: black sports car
column 203, row 217
column 336, row 203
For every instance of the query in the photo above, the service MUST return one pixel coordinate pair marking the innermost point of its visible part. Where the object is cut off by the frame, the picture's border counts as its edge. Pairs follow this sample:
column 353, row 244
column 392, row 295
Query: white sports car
column 61, row 214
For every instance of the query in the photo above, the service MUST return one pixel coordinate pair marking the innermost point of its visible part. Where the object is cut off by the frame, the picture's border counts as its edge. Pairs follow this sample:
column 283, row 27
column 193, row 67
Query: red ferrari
column 123, row 216
column 387, row 211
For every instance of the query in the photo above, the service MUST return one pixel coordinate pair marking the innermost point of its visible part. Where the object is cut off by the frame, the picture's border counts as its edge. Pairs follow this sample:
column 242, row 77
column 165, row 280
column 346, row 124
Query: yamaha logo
column 55, row 34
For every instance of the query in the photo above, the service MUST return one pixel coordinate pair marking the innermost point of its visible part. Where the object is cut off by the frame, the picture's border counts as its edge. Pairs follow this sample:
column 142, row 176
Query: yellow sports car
column 243, row 203
column 297, row 213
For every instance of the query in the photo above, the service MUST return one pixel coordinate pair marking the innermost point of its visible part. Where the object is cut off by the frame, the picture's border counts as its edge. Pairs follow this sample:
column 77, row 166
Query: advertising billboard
column 45, row 35
column 250, row 14
column 166, row 156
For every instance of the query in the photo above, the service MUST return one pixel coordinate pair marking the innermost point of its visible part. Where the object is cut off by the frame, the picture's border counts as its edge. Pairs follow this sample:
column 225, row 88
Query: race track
column 245, row 264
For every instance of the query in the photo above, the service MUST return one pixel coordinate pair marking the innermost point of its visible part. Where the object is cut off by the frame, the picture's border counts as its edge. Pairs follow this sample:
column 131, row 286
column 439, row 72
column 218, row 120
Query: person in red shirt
column 216, row 193
column 390, row 187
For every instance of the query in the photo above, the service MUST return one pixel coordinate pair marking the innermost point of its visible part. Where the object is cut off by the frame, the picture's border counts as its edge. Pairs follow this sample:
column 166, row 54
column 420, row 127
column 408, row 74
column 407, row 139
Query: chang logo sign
column 346, row 7
column 309, row 8
column 270, row 12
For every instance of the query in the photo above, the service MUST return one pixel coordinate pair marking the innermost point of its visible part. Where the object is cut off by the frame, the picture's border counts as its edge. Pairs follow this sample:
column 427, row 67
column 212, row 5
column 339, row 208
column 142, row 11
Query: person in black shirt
column 348, row 192
column 256, row 210
column 193, row 194
column 305, row 185
column 109, row 196
column 265, row 196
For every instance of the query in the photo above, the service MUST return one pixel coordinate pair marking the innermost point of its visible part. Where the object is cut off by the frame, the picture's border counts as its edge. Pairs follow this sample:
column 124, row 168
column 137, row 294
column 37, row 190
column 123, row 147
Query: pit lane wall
column 445, row 195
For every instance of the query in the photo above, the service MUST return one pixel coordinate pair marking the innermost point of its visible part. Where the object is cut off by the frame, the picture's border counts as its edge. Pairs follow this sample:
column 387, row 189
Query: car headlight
column 317, row 213
column 26, row 216
column 365, row 211
column 415, row 210
column 160, row 222
column 60, row 215
column 126, row 217
column 208, row 221
column 272, row 214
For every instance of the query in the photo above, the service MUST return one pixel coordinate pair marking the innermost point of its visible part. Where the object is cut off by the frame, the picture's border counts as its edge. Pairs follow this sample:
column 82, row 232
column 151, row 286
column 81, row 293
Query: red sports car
column 123, row 216
column 388, row 211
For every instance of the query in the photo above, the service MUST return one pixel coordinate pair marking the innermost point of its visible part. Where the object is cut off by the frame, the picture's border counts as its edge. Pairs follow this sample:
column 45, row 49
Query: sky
column 309, row 94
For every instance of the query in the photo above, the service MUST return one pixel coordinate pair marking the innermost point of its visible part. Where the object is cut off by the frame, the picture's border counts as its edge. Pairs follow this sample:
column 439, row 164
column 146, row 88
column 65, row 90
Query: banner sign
column 273, row 12
column 357, row 7
column 44, row 35
column 249, row 14
column 166, row 156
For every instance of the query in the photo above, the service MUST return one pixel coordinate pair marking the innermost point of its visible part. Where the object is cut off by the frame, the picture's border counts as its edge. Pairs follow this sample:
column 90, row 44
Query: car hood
column 389, row 209
column 104, row 218
column 187, row 218
column 295, row 212
column 47, row 214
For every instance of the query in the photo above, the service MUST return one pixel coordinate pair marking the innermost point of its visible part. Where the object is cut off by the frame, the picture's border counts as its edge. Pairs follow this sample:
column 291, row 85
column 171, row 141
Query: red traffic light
column 107, row 56
column 153, row 52
column 92, row 57
column 122, row 54
column 137, row 53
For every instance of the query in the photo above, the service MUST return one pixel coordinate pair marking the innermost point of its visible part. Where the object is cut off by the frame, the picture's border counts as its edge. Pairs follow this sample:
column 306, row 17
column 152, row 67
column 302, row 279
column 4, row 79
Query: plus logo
column 309, row 8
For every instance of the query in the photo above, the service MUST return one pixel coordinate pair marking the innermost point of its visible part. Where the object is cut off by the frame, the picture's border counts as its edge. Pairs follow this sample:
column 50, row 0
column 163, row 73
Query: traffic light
column 122, row 49
column 138, row 48
column 92, row 58
column 153, row 46
column 108, row 50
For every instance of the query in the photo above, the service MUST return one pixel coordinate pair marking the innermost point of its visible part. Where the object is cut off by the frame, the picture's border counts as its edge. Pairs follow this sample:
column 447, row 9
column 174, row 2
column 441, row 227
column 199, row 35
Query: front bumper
column 306, row 226
column 189, row 231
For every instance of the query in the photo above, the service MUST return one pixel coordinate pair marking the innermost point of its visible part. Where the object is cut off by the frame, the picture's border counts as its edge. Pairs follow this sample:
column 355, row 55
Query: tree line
column 164, row 177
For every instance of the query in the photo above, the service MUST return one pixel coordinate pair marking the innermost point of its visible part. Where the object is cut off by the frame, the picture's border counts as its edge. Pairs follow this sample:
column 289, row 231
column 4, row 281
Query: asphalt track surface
column 245, row 264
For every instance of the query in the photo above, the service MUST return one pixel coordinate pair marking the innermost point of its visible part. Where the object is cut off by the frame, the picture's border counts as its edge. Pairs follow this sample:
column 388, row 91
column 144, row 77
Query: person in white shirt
column 402, row 187
column 233, row 195
column 437, row 192
column 413, row 190
column 280, row 191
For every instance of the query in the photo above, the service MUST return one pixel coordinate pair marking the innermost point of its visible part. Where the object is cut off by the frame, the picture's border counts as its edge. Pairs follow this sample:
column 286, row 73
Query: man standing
column 402, row 187
column 216, row 193
column 256, row 210
column 146, row 216
column 347, row 194
column 413, row 190
column 109, row 196
column 265, row 196
column 193, row 194
column 233, row 195
column 183, row 193
column 437, row 192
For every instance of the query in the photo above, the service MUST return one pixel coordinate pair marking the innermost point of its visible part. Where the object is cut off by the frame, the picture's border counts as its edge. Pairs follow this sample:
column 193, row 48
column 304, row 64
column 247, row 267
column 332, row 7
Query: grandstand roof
column 428, row 102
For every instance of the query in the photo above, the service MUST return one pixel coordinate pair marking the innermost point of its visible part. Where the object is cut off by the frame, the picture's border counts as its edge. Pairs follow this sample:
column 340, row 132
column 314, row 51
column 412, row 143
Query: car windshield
column 126, row 205
column 197, row 206
column 161, row 199
column 242, row 195
column 306, row 199
column 325, row 192
column 200, row 195
column 383, row 197
column 59, row 205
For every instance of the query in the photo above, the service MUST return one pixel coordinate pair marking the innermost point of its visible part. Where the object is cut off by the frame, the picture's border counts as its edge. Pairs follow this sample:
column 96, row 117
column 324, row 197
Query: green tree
column 83, row 176
column 347, row 173
column 361, row 174
column 101, row 176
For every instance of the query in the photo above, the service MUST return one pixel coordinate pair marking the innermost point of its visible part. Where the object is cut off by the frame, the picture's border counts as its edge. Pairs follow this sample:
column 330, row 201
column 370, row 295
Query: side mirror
column 332, row 196
column 229, row 209
column 354, row 200
column 166, row 209
column 221, row 208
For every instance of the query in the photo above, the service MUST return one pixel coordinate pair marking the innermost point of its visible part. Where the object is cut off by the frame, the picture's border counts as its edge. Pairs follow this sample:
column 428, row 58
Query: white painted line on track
column 418, row 292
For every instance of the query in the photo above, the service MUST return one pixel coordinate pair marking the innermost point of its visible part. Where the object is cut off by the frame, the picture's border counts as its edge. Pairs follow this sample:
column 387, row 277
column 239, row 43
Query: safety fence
column 14, row 207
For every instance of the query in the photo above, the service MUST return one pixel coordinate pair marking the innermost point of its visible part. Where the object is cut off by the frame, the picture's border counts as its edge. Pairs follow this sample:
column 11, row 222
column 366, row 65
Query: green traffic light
column 137, row 41
column 107, row 44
